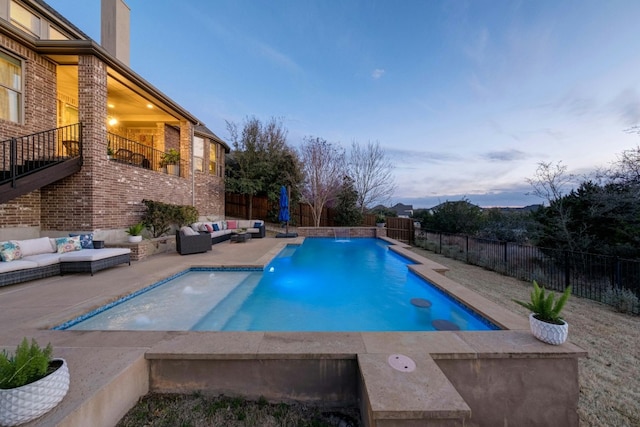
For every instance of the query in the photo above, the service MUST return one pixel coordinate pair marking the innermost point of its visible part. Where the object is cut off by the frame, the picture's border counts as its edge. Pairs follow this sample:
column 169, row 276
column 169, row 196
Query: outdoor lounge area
column 319, row 368
column 24, row 260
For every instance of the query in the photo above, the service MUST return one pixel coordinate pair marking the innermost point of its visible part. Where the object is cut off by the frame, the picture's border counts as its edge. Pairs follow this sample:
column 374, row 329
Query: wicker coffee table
column 240, row 237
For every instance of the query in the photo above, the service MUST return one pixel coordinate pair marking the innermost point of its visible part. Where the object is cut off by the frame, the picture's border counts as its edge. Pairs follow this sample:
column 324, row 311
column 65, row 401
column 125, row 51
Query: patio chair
column 192, row 244
column 139, row 160
column 123, row 155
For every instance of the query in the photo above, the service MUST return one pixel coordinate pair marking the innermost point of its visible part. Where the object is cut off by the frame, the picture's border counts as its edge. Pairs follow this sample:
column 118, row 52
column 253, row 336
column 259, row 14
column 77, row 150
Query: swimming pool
column 322, row 285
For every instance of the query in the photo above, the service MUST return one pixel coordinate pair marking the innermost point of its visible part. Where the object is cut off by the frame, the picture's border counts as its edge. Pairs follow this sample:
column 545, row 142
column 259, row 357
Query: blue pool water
column 321, row 285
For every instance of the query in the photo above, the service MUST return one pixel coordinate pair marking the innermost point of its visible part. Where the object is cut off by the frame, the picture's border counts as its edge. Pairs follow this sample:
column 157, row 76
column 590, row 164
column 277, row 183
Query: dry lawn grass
column 609, row 376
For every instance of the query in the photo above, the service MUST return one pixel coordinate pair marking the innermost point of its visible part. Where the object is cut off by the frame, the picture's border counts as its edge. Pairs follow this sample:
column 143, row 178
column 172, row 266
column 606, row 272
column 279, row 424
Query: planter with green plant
column 380, row 220
column 135, row 232
column 31, row 383
column 545, row 321
column 171, row 160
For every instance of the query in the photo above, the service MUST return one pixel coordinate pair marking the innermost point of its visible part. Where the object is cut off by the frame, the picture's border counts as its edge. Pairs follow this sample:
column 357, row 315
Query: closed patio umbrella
column 283, row 215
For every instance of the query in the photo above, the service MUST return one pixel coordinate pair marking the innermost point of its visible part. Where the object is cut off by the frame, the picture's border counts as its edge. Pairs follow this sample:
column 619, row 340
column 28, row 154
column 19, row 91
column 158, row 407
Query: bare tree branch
column 322, row 169
column 372, row 174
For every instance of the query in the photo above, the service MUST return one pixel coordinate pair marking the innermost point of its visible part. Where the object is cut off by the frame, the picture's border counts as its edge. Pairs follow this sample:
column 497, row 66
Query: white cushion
column 35, row 246
column 44, row 259
column 92, row 254
column 16, row 265
column 188, row 231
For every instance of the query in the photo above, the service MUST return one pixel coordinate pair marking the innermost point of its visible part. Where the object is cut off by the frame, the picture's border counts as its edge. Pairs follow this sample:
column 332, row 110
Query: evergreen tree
column 348, row 213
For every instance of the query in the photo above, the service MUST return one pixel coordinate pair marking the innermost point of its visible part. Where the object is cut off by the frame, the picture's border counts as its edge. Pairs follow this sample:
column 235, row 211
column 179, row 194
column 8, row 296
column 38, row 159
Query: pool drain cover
column 401, row 363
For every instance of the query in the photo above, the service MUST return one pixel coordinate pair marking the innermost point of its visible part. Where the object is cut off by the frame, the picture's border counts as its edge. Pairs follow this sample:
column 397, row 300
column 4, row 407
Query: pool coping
column 130, row 354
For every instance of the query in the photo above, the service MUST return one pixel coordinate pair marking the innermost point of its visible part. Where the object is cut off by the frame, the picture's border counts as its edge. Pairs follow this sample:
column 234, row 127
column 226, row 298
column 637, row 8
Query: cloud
column 275, row 56
column 627, row 104
column 377, row 73
column 505, row 155
column 404, row 157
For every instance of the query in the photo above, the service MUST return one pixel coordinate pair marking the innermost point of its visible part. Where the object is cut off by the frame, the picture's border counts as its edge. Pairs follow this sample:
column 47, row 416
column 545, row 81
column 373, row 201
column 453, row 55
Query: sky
column 465, row 97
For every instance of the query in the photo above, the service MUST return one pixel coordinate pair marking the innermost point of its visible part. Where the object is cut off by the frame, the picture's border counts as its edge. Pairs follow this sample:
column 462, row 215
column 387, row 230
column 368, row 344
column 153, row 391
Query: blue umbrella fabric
column 283, row 215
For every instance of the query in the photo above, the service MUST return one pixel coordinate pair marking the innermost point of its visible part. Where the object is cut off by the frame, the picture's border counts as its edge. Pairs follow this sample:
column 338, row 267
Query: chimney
column 115, row 31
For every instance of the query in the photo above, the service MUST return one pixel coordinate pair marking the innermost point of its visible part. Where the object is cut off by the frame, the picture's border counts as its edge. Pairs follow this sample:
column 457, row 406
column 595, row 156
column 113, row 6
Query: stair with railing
column 30, row 162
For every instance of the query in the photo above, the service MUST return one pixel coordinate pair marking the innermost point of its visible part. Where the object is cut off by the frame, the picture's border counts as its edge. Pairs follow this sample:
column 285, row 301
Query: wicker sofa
column 42, row 257
column 221, row 231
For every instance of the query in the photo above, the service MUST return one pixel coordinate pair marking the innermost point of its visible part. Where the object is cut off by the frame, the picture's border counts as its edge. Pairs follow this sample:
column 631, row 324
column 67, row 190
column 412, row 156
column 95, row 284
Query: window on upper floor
column 213, row 157
column 24, row 19
column 198, row 154
column 10, row 88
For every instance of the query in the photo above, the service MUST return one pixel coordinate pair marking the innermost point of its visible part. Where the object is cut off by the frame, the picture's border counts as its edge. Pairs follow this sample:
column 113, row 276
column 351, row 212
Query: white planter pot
column 548, row 332
column 23, row 404
column 135, row 239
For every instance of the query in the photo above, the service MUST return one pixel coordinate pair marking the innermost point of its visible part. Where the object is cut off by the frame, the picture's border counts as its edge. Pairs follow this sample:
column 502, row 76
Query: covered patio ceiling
column 128, row 104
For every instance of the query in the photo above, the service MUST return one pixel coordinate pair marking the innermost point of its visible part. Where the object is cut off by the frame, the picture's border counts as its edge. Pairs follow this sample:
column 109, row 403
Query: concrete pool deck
column 461, row 378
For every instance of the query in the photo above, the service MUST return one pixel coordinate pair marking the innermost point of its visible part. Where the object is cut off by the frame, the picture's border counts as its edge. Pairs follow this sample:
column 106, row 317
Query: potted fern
column 135, row 232
column 31, row 383
column 545, row 321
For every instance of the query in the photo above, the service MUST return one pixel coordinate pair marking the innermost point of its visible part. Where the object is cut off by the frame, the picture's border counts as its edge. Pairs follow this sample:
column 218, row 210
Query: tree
column 371, row 173
column 260, row 161
column 322, row 171
column 456, row 217
column 347, row 211
column 549, row 183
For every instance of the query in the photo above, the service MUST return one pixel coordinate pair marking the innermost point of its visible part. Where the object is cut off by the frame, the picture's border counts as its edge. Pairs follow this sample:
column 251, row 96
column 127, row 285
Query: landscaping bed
column 203, row 410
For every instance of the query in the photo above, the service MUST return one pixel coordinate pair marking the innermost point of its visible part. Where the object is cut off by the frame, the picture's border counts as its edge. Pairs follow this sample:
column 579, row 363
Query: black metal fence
column 590, row 275
column 123, row 150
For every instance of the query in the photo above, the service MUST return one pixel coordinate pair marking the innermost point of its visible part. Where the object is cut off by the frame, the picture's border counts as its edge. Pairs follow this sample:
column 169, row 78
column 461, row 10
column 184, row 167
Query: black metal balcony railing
column 31, row 153
column 123, row 150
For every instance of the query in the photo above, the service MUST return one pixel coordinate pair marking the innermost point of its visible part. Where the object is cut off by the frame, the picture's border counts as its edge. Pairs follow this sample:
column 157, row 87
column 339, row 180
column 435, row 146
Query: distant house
column 403, row 211
column 83, row 138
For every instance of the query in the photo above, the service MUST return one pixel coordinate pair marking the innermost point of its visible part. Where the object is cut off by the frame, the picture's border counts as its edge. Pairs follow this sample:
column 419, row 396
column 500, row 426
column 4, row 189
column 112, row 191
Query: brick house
column 83, row 137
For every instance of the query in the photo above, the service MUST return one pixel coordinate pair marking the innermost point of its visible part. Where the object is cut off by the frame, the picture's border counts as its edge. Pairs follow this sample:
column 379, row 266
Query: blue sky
column 466, row 97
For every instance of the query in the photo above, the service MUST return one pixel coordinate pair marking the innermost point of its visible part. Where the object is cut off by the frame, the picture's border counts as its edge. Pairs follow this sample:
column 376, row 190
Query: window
column 24, row 19
column 198, row 154
column 10, row 88
column 213, row 156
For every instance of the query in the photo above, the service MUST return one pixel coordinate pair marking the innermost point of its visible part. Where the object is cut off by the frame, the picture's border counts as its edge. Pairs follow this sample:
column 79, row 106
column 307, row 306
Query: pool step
column 219, row 315
column 418, row 394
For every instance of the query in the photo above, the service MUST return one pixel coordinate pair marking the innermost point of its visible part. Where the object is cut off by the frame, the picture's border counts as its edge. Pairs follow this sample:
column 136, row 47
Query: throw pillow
column 188, row 231
column 216, row 227
column 257, row 225
column 34, row 246
column 10, row 251
column 68, row 244
column 86, row 240
column 209, row 228
column 231, row 225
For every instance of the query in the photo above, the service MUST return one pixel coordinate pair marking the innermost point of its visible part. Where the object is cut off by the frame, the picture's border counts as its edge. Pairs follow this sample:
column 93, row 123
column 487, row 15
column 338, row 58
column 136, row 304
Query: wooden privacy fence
column 237, row 206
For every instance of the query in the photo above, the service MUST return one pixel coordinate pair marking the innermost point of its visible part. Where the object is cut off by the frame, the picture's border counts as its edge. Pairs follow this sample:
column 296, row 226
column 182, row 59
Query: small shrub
column 28, row 364
column 623, row 300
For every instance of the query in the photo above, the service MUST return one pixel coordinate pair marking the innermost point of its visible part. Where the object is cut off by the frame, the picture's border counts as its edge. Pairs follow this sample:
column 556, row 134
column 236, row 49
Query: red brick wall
column 104, row 194
column 39, row 114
